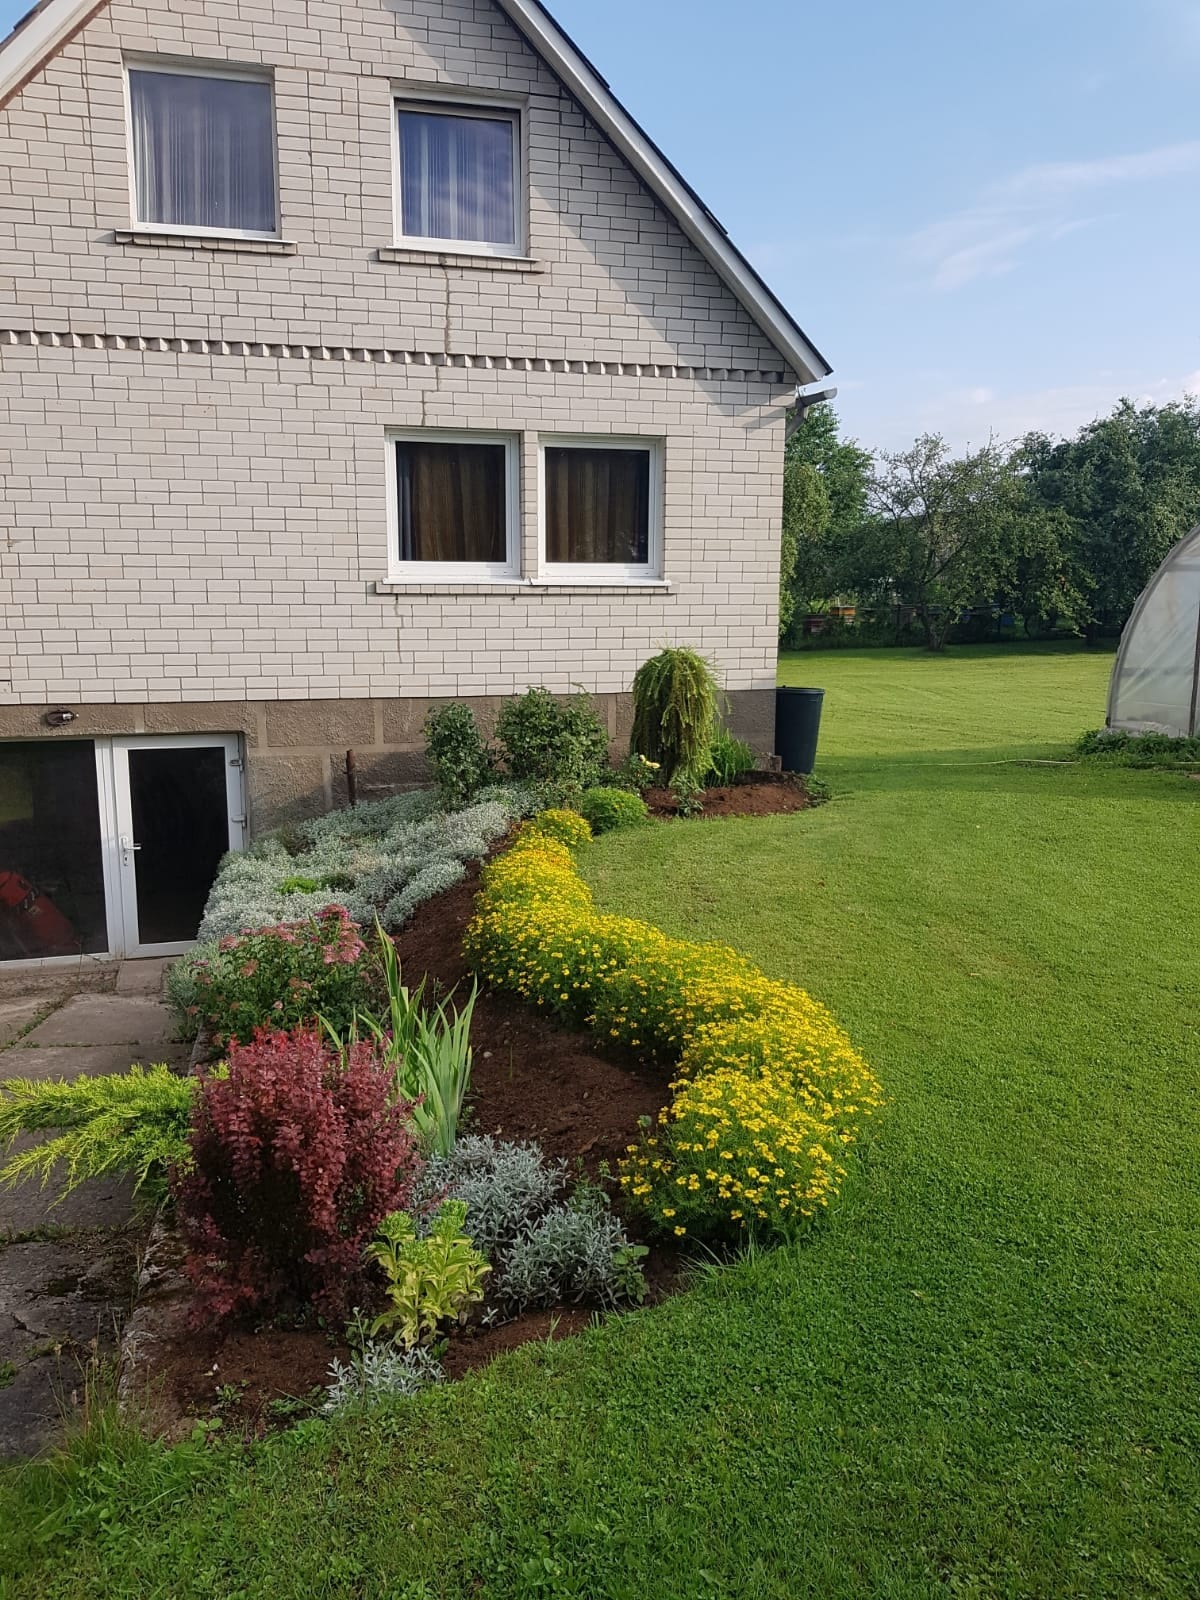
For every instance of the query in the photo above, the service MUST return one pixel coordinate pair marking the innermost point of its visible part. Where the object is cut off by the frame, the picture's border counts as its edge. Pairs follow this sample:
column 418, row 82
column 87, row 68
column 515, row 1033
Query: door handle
column 128, row 847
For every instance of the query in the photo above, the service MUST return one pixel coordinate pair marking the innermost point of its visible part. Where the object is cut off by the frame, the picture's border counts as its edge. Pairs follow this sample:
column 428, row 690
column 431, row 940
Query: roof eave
column 663, row 179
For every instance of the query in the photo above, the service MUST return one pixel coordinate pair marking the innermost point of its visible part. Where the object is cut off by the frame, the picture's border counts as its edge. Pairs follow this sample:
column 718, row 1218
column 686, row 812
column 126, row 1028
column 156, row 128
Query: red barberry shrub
column 297, row 1157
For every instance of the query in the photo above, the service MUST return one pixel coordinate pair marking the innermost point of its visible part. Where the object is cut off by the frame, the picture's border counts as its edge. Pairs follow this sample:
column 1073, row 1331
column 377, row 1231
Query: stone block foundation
column 295, row 750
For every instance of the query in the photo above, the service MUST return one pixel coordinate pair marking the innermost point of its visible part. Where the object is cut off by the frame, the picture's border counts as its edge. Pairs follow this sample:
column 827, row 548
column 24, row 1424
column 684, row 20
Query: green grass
column 980, row 1378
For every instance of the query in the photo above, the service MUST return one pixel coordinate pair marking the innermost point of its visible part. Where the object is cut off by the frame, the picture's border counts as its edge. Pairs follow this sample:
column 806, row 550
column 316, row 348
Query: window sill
column 517, row 587
column 149, row 238
column 417, row 256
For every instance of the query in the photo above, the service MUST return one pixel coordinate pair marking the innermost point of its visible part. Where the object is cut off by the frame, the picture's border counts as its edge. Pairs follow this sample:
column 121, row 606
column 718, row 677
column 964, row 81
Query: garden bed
column 532, row 1080
column 753, row 794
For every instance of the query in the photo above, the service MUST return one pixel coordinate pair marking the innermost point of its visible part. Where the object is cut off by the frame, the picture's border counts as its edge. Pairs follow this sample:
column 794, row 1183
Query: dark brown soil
column 755, row 794
column 531, row 1080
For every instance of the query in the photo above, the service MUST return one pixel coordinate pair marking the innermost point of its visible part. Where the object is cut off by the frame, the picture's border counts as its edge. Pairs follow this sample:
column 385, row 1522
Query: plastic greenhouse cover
column 1155, row 677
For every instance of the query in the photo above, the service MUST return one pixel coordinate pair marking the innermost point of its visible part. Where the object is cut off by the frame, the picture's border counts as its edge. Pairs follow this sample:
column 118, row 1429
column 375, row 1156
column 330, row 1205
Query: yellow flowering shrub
column 568, row 827
column 731, row 1153
column 761, row 1062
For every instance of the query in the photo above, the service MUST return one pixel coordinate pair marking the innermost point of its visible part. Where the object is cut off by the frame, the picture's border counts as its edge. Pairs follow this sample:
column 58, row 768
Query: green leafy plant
column 431, row 1281
column 728, row 758
column 557, row 744
column 505, row 1187
column 576, row 1252
column 818, row 791
column 133, row 1122
column 688, row 792
column 1139, row 749
column 636, row 774
column 279, row 977
column 674, row 713
column 461, row 761
column 379, row 1372
column 609, row 809
column 427, row 1049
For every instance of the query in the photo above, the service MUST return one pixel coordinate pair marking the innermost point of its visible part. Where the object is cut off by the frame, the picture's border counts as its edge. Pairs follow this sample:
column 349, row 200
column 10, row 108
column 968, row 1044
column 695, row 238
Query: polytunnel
column 1157, row 672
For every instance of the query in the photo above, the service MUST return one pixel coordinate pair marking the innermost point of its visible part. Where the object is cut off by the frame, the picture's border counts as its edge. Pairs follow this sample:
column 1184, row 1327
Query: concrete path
column 67, row 1270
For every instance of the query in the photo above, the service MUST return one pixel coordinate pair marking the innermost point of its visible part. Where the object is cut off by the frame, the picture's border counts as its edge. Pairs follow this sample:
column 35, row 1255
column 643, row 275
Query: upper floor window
column 601, row 508
column 203, row 150
column 459, row 178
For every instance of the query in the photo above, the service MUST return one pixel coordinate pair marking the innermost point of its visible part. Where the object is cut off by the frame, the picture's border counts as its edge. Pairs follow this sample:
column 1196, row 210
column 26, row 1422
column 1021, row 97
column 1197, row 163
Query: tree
column 805, row 566
column 825, row 500
column 1125, row 489
column 944, row 530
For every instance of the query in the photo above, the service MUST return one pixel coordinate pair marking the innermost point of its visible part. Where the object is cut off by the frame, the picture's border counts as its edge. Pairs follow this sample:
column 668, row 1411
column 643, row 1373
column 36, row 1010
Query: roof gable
column 52, row 23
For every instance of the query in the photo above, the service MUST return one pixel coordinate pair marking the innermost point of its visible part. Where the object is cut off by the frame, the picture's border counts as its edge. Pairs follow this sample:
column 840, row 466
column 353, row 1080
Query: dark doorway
column 180, row 815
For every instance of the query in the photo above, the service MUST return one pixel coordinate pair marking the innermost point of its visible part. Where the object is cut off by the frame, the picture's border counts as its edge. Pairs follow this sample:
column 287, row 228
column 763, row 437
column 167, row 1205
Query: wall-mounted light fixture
column 59, row 719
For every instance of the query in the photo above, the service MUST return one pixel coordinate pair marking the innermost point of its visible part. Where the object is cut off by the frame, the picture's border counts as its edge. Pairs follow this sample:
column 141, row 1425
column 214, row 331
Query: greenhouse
column 1155, row 679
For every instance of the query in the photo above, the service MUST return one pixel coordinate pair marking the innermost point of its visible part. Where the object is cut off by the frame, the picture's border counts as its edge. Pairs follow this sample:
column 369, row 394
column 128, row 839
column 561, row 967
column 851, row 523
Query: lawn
column 979, row 1378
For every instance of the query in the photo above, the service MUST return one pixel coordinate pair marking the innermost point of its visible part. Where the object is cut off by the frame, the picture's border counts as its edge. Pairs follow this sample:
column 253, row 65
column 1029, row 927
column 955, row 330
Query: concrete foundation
column 296, row 749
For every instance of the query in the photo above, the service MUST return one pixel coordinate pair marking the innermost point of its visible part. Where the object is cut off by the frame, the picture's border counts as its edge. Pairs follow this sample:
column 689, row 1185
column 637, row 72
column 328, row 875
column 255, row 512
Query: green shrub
column 609, row 809
column 728, row 758
column 769, row 1065
column 636, row 774
column 461, row 761
column 576, row 1252
column 505, row 1187
column 431, row 1281
column 280, row 977
column 1139, row 749
column 567, row 827
column 674, row 713
column 557, row 744
column 379, row 1372
column 134, row 1122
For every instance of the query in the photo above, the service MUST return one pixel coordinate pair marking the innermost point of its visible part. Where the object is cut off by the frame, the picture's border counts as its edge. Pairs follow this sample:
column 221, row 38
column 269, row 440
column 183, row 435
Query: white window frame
column 450, row 105
column 456, row 571
column 197, row 70
column 651, row 571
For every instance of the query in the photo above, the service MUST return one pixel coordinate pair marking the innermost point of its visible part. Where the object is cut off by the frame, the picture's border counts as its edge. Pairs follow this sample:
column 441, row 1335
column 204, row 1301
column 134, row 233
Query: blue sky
column 987, row 217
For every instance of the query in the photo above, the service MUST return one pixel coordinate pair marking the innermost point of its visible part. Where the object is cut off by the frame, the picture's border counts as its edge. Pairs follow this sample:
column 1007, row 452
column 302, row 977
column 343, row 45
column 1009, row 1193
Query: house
column 354, row 355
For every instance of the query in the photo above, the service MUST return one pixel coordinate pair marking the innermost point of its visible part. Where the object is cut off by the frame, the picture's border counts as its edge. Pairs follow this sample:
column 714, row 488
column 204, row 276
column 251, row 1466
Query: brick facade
column 192, row 458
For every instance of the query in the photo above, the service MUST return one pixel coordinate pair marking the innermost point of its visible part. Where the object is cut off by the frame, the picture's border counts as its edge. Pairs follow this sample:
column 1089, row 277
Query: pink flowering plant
column 283, row 977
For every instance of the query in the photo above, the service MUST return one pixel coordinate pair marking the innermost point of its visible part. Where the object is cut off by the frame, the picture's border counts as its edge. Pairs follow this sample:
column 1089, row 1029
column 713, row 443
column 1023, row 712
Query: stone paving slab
column 142, row 977
column 107, row 1019
column 100, row 1203
column 69, row 1060
column 61, row 1303
column 16, row 1015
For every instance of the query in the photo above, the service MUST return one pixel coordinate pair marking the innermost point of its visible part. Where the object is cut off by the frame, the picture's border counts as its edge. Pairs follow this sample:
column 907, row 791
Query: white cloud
column 1032, row 205
column 970, row 416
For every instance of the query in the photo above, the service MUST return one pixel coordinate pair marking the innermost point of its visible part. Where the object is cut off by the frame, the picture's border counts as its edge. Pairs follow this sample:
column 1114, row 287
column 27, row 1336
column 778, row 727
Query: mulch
column 531, row 1079
column 754, row 794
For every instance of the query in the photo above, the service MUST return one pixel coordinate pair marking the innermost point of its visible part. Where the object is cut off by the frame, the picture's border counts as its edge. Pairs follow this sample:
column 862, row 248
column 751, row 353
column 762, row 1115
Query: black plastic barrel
column 797, row 726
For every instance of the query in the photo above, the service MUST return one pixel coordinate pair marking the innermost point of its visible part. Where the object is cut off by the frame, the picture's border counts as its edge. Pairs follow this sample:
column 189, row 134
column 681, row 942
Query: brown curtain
column 598, row 506
column 451, row 500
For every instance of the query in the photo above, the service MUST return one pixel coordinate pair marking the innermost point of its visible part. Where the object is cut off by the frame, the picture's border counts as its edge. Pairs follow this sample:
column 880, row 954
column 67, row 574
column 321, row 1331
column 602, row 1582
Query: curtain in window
column 452, row 501
column 203, row 151
column 456, row 177
column 598, row 507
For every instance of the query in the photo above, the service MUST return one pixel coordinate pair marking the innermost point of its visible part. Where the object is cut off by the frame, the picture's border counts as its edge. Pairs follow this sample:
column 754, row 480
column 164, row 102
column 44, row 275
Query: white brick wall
column 177, row 525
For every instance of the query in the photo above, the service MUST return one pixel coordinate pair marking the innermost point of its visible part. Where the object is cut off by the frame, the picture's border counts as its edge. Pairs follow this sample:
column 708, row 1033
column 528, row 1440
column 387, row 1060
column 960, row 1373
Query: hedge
column 770, row 1092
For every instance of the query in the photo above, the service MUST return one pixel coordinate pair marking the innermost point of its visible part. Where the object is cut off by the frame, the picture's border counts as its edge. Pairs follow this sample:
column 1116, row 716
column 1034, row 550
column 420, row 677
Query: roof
column 51, row 23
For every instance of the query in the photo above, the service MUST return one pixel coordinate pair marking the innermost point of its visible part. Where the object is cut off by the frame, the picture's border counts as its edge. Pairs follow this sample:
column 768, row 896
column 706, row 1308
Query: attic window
column 458, row 178
column 203, row 151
